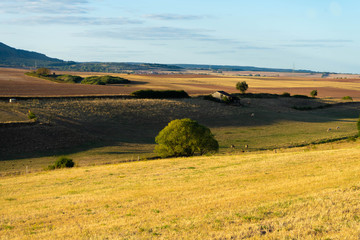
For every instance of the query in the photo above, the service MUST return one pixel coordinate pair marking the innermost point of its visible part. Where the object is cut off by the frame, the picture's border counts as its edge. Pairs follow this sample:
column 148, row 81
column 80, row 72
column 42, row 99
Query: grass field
column 310, row 194
column 273, row 189
column 112, row 130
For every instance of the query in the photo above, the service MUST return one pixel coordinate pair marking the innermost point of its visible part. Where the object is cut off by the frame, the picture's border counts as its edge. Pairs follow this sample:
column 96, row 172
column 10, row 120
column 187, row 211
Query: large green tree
column 185, row 137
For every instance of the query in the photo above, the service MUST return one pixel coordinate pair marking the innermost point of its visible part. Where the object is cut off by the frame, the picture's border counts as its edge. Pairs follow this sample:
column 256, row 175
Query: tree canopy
column 313, row 93
column 185, row 137
column 242, row 86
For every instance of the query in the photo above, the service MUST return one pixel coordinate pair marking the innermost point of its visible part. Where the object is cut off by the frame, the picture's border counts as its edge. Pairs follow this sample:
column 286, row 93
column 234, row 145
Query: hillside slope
column 11, row 57
column 298, row 195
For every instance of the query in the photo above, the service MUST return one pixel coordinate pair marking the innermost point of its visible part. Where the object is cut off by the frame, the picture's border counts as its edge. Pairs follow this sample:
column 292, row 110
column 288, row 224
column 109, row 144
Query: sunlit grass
column 311, row 194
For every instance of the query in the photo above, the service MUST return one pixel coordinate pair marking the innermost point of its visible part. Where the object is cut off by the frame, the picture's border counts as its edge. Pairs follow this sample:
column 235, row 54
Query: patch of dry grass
column 294, row 195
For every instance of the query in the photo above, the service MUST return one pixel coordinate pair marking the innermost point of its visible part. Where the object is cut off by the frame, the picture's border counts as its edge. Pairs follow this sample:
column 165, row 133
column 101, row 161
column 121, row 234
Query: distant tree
column 242, row 86
column 43, row 71
column 347, row 98
column 31, row 115
column 185, row 137
column 313, row 93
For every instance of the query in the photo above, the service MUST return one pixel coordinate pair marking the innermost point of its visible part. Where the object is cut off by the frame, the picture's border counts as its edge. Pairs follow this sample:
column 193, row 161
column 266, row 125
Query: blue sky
column 321, row 35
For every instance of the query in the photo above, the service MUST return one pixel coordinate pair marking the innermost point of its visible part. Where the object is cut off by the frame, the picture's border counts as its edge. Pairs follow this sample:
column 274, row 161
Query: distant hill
column 11, row 57
column 237, row 68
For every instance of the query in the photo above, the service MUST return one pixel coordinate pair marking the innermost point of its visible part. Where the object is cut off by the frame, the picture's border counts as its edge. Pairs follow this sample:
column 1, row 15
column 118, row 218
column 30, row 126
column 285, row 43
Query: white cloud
column 71, row 20
column 44, row 6
column 168, row 17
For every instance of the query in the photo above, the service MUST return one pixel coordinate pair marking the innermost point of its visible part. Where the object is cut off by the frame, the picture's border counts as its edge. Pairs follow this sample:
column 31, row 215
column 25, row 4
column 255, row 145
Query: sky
column 319, row 35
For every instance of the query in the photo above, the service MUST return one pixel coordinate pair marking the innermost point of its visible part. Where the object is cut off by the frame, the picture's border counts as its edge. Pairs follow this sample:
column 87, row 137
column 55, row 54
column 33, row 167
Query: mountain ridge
column 18, row 58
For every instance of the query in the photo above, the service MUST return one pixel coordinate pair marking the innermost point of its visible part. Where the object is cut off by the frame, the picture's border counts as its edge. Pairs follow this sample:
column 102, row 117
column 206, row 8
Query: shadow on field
column 70, row 126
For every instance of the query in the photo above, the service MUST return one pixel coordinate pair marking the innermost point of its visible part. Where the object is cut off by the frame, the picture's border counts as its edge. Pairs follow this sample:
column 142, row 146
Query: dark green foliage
column 160, row 94
column 300, row 96
column 258, row 95
column 347, row 98
column 69, row 78
column 102, row 80
column 242, row 86
column 63, row 162
column 31, row 115
column 286, row 94
column 185, row 137
column 43, row 71
column 358, row 126
column 313, row 93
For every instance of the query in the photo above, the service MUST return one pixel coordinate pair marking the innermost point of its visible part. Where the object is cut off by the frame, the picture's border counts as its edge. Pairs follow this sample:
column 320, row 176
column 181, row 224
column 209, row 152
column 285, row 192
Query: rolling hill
column 11, row 57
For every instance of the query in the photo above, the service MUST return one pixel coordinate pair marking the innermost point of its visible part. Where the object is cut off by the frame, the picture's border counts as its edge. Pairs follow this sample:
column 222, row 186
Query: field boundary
column 68, row 97
column 18, row 124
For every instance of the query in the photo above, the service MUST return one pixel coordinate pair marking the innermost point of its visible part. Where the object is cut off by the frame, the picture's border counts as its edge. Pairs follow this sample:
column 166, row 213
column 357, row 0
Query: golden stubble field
column 13, row 82
column 293, row 195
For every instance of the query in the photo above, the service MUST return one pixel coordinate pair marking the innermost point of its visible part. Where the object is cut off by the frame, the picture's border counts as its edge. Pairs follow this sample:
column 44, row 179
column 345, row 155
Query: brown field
column 14, row 83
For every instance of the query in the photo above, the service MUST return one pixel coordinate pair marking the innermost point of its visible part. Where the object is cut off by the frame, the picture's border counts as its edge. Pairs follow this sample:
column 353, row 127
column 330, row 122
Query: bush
column 31, row 115
column 69, row 78
column 347, row 98
column 185, row 137
column 43, row 71
column 286, row 94
column 160, row 94
column 300, row 96
column 358, row 126
column 102, row 80
column 62, row 162
column 313, row 93
column 242, row 86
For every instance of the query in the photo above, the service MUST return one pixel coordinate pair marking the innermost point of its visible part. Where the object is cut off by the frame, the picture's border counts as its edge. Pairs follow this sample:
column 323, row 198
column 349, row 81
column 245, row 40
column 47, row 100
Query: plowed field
column 14, row 83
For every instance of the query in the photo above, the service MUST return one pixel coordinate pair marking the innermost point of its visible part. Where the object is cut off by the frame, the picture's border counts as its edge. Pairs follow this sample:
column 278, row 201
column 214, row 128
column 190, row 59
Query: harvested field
column 13, row 83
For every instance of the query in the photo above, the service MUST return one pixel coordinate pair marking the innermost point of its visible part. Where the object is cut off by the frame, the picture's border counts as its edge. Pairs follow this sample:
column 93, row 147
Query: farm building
column 221, row 95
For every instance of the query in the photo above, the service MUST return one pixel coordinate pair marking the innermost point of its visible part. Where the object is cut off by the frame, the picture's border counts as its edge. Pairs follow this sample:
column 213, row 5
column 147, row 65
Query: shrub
column 286, row 94
column 43, row 71
column 347, row 98
column 300, row 96
column 31, row 115
column 64, row 162
column 185, row 137
column 70, row 78
column 313, row 93
column 358, row 126
column 102, row 80
column 242, row 86
column 160, row 94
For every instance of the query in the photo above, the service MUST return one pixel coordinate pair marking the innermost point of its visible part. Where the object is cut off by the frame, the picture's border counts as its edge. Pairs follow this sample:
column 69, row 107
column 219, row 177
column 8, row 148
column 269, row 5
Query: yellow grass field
column 303, row 194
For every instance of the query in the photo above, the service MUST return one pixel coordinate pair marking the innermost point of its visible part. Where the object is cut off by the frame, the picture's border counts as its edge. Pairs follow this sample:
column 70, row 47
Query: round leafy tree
column 313, row 93
column 242, row 86
column 185, row 137
column 43, row 71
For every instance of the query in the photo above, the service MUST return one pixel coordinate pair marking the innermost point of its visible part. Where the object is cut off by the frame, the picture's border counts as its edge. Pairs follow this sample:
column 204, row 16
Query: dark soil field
column 14, row 83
